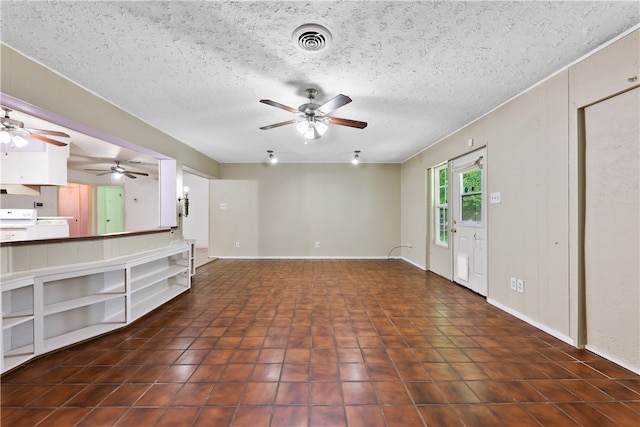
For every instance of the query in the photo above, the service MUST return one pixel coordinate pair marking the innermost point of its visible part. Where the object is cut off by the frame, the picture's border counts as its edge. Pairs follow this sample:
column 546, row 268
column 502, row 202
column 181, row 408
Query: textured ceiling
column 416, row 71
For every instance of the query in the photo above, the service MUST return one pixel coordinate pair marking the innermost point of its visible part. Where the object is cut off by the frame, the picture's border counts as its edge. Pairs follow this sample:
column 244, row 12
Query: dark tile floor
column 322, row 343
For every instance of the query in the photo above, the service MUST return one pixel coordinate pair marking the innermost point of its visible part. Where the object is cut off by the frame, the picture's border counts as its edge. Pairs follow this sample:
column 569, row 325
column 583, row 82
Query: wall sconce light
column 186, row 202
column 356, row 158
column 272, row 159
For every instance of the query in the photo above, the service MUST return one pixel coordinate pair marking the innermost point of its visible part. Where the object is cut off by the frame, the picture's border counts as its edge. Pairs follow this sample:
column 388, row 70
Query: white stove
column 24, row 224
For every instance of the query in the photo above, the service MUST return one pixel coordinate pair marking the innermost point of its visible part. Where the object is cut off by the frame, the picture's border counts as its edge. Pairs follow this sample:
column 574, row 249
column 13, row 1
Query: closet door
column 612, row 228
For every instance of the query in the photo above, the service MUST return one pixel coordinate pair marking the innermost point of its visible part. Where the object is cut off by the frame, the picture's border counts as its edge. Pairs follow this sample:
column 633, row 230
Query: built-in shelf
column 51, row 308
column 78, row 302
column 9, row 322
column 151, row 302
column 150, row 280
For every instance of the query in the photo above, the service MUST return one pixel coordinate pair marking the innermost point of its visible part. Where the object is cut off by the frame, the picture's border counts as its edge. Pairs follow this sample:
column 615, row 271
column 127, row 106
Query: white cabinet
column 37, row 163
column 51, row 308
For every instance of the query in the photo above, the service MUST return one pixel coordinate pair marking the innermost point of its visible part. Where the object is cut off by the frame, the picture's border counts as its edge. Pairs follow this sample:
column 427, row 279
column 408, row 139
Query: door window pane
column 472, row 182
column 471, row 196
column 472, row 208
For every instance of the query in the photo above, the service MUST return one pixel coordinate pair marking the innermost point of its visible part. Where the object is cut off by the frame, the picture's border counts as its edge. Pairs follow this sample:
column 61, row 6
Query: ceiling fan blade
column 129, row 175
column 103, row 173
column 48, row 132
column 333, row 104
column 47, row 140
column 275, row 125
column 346, row 122
column 278, row 105
column 138, row 173
column 96, row 170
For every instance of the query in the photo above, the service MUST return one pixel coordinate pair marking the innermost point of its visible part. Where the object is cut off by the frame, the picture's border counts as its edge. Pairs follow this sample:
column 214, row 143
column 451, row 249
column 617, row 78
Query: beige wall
column 282, row 210
column 533, row 160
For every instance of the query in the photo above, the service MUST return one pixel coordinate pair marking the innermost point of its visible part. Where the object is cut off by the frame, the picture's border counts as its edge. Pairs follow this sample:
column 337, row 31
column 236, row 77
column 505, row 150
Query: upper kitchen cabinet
column 36, row 163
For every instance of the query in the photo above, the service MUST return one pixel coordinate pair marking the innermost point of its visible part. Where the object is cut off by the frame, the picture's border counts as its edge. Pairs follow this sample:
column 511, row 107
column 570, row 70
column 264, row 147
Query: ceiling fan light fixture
column 311, row 38
column 302, row 127
column 5, row 136
column 19, row 141
column 311, row 129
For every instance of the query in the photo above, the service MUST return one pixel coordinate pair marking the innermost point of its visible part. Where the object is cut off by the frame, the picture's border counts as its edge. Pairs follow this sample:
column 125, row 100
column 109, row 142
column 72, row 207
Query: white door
column 468, row 225
column 612, row 228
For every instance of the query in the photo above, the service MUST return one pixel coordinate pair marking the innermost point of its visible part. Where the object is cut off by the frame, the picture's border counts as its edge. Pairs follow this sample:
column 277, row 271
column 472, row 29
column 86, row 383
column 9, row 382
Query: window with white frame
column 441, row 180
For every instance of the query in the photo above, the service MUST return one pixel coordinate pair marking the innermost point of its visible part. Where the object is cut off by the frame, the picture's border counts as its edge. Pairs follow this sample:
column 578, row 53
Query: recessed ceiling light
column 311, row 38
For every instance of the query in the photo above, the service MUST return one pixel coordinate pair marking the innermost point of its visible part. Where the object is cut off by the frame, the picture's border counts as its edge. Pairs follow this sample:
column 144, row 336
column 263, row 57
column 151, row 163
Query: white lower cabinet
column 57, row 307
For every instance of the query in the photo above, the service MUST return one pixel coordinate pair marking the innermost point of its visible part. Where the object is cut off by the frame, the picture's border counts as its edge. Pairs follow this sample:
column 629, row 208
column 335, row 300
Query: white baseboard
column 421, row 267
column 623, row 363
column 544, row 328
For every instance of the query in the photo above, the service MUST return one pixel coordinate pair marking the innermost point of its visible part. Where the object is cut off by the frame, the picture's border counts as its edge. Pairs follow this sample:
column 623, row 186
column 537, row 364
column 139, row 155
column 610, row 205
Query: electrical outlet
column 514, row 284
column 520, row 286
column 237, row 244
column 317, row 244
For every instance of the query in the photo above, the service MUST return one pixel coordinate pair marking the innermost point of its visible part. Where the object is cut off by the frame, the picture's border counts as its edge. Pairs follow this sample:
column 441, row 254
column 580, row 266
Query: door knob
column 453, row 230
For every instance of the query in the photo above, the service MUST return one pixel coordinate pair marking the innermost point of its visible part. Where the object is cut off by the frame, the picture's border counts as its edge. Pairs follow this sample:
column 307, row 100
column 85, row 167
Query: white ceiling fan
column 118, row 170
column 313, row 118
column 13, row 131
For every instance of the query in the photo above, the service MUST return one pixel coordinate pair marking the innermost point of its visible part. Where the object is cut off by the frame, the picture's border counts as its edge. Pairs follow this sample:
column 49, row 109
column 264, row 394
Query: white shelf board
column 79, row 302
column 140, row 283
column 82, row 334
column 10, row 322
column 25, row 350
column 11, row 361
column 141, row 308
column 9, row 284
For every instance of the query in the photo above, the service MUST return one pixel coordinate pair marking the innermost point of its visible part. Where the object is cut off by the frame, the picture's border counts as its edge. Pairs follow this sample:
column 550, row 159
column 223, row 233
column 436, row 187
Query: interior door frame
column 477, row 157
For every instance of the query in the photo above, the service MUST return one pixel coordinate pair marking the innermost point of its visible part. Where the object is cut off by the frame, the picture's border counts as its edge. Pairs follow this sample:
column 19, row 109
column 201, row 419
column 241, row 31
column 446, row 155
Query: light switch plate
column 495, row 198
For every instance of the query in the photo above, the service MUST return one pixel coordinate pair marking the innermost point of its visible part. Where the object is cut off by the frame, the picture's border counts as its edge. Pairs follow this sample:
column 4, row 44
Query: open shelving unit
column 51, row 308
column 18, row 320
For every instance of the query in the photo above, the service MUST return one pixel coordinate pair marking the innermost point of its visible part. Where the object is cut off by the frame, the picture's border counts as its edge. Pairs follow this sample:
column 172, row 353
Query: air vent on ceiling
column 311, row 38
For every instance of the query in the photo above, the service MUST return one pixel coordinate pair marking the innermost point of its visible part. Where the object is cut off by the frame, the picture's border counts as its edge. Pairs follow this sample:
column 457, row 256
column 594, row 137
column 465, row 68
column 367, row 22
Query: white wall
column 141, row 203
column 196, row 225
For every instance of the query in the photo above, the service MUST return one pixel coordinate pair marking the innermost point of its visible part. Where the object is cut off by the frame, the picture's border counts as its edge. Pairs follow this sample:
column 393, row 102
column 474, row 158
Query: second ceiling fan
column 313, row 118
column 118, row 170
